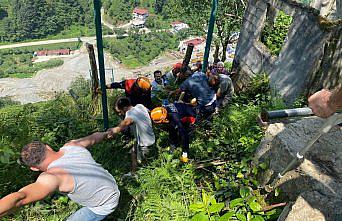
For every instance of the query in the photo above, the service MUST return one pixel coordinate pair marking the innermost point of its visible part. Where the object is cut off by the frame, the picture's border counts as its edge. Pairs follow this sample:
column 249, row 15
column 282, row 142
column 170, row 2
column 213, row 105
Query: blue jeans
column 85, row 214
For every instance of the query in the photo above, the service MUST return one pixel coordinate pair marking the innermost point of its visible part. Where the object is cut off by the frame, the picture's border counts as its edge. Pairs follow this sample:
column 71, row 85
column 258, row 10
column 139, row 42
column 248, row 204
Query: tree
column 196, row 13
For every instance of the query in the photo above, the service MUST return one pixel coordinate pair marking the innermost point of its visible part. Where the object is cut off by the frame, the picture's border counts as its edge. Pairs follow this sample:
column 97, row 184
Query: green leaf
column 276, row 191
column 258, row 218
column 205, row 197
column 263, row 166
column 236, row 202
column 227, row 216
column 197, row 207
column 244, row 192
column 200, row 217
column 213, row 200
column 240, row 175
column 249, row 216
column 255, row 206
column 241, row 217
column 215, row 208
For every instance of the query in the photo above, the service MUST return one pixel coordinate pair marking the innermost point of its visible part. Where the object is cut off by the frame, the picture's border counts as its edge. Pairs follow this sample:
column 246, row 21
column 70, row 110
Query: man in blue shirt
column 199, row 88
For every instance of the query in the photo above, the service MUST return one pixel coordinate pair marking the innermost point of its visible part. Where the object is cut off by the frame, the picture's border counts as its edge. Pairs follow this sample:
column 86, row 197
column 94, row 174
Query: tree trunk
column 217, row 50
column 224, row 49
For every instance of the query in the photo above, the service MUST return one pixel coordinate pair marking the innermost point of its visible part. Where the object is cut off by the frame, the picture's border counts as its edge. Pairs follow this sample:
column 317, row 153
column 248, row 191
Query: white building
column 137, row 23
column 140, row 13
column 178, row 25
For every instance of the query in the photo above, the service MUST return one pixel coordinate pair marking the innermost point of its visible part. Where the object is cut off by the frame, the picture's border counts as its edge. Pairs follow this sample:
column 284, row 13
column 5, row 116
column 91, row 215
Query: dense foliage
column 33, row 19
column 165, row 188
column 274, row 35
column 17, row 62
column 139, row 49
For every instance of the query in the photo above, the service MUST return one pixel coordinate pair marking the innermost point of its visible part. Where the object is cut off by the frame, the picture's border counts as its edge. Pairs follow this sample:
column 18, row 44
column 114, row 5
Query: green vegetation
column 139, row 49
column 17, row 62
column 273, row 36
column 165, row 189
column 37, row 19
column 6, row 101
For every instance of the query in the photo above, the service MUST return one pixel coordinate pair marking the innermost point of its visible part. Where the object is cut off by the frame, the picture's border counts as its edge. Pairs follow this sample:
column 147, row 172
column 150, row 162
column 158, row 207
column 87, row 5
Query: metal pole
column 99, row 42
column 209, row 35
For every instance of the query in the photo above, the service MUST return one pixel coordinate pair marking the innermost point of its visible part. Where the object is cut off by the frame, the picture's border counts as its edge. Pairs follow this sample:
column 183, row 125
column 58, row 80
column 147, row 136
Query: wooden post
column 94, row 72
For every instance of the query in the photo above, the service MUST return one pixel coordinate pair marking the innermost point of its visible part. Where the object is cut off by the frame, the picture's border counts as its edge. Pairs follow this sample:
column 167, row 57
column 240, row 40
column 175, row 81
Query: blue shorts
column 85, row 214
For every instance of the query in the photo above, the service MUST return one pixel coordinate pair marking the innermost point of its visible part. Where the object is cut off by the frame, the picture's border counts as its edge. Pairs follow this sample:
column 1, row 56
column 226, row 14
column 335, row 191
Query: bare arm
column 121, row 127
column 88, row 141
column 45, row 184
column 324, row 103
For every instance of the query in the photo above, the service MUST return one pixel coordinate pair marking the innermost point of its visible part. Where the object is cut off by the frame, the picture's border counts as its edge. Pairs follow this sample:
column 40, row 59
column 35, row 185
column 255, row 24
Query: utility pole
column 209, row 35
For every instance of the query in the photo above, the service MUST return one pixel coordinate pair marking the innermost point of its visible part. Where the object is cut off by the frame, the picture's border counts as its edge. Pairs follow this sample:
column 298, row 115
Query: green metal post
column 209, row 34
column 99, row 42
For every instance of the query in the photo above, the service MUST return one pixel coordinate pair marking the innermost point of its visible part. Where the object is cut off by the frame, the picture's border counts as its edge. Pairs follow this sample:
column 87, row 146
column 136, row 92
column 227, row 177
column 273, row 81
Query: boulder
column 315, row 184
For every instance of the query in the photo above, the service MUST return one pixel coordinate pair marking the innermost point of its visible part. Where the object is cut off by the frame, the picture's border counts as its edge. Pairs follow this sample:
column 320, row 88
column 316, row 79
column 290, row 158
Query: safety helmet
column 143, row 83
column 177, row 66
column 159, row 115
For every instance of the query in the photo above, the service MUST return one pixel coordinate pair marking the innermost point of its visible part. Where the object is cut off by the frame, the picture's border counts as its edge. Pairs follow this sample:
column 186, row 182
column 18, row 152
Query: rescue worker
column 137, row 90
column 179, row 117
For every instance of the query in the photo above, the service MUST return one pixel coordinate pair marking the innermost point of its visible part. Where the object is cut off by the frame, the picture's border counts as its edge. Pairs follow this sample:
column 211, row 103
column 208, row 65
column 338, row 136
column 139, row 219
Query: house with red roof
column 140, row 13
column 53, row 52
column 199, row 46
column 178, row 25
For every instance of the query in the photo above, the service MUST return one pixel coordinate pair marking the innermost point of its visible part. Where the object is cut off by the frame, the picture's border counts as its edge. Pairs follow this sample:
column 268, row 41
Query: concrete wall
column 313, row 46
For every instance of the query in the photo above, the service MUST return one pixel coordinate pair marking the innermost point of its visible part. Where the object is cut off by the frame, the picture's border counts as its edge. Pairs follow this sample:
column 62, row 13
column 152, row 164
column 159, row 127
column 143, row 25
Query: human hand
column 320, row 104
column 112, row 131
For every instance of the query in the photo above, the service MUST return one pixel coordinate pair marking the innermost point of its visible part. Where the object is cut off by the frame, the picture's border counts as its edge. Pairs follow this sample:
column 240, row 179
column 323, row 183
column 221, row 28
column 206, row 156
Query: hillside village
column 176, row 110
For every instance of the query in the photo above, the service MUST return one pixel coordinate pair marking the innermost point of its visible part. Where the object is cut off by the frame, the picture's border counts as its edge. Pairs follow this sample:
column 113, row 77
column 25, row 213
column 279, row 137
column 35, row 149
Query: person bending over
column 71, row 170
column 138, row 119
column 137, row 90
column 178, row 117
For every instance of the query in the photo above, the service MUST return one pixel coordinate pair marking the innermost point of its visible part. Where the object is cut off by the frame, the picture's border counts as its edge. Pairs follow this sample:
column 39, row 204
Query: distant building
column 53, row 52
column 199, row 46
column 178, row 25
column 197, row 42
column 137, row 23
column 140, row 13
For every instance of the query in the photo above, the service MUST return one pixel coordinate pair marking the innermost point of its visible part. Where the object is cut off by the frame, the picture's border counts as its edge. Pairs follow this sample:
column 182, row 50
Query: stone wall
column 309, row 60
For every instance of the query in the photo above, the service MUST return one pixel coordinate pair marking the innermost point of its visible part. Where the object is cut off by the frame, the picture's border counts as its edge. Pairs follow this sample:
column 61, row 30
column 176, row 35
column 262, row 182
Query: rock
column 315, row 185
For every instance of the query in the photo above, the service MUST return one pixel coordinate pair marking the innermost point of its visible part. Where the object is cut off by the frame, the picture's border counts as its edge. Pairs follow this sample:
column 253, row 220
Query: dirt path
column 46, row 83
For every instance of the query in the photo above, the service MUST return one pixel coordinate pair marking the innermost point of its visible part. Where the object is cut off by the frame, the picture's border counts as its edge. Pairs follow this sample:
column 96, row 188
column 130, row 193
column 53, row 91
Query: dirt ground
column 46, row 83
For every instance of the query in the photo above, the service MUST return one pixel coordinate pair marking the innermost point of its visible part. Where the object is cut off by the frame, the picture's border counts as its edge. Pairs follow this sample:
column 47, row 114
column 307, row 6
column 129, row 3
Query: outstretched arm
column 45, row 184
column 324, row 103
column 88, row 141
column 116, row 85
column 121, row 127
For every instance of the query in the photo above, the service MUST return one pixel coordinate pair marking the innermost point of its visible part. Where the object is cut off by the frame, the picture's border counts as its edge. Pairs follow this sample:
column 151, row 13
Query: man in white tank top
column 71, row 170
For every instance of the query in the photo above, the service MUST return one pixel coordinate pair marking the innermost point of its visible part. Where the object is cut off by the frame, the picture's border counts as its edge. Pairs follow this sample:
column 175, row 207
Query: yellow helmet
column 159, row 115
column 143, row 83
